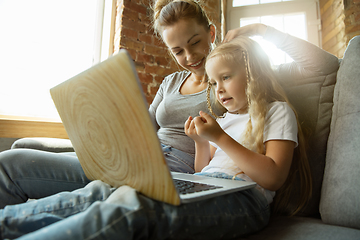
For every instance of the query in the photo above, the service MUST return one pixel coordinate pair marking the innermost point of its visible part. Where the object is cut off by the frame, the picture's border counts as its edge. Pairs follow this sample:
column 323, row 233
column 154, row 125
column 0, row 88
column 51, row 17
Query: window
column 241, row 3
column 299, row 18
column 45, row 42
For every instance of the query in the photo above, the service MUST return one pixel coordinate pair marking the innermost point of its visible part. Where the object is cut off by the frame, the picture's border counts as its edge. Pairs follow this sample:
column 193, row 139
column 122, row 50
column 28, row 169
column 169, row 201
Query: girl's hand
column 256, row 29
column 190, row 130
column 207, row 128
column 195, row 129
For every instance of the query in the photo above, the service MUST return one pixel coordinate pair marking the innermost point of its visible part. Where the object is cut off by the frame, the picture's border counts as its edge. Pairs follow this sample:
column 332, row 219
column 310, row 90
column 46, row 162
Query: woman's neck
column 193, row 84
column 197, row 79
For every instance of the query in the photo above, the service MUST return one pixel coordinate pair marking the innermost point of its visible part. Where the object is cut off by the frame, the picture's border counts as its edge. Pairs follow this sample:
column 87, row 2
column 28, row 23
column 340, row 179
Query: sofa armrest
column 44, row 144
column 340, row 196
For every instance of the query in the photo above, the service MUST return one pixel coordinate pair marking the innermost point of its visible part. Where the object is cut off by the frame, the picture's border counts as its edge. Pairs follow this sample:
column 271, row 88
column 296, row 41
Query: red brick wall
column 352, row 18
column 340, row 22
column 134, row 32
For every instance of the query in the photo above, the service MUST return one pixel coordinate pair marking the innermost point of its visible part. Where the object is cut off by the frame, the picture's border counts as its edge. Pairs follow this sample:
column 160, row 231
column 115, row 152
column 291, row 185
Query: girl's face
column 189, row 43
column 229, row 82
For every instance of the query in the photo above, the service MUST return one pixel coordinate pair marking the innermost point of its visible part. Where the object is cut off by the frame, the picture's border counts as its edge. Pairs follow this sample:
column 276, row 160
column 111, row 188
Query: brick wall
column 340, row 21
column 133, row 31
column 352, row 18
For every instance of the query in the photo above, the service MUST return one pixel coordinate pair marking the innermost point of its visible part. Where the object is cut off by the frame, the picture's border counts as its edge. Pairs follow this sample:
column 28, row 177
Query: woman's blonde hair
column 169, row 12
column 263, row 89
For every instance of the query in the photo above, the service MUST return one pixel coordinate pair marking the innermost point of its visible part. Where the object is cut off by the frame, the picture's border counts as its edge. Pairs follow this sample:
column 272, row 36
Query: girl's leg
column 129, row 215
column 26, row 173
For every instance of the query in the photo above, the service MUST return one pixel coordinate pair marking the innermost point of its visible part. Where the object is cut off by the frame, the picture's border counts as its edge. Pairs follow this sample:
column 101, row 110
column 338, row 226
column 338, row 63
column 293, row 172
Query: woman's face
column 189, row 43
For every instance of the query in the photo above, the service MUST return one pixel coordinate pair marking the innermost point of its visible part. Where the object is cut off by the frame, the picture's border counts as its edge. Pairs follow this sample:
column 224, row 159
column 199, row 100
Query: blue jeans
column 26, row 173
column 178, row 161
column 100, row 212
column 34, row 174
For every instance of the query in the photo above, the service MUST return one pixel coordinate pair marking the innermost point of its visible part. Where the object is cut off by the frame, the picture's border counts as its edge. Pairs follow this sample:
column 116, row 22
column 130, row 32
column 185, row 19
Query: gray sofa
column 329, row 110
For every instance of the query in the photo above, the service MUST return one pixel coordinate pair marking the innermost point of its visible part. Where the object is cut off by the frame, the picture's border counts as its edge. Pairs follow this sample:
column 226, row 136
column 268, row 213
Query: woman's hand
column 256, row 29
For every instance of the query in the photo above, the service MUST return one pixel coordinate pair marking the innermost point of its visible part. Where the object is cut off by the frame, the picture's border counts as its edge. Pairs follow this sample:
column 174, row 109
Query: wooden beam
column 19, row 127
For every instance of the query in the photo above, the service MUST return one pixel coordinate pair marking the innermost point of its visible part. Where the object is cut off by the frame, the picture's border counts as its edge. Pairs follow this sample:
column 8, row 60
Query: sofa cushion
column 312, row 98
column 45, row 144
column 340, row 197
column 303, row 228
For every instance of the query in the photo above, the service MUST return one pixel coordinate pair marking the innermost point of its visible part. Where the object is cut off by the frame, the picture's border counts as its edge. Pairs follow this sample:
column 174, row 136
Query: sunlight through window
column 293, row 24
column 241, row 3
column 42, row 44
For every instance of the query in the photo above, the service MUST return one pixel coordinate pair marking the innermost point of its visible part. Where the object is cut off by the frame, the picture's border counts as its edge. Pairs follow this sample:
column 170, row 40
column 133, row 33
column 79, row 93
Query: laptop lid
column 105, row 116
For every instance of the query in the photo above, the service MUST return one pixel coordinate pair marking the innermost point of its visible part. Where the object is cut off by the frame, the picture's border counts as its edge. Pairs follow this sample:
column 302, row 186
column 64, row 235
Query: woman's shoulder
column 172, row 82
column 178, row 76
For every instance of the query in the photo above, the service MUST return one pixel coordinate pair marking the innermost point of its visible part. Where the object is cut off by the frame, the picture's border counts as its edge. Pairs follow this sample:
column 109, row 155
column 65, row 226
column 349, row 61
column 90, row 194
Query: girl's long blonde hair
column 263, row 89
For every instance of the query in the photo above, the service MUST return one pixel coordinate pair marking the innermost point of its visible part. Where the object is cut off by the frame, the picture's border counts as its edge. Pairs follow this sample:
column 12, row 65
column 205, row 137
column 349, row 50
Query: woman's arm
column 309, row 60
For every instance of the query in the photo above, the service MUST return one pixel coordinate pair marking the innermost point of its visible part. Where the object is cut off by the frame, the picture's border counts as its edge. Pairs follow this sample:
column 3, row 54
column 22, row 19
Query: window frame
column 20, row 127
column 310, row 7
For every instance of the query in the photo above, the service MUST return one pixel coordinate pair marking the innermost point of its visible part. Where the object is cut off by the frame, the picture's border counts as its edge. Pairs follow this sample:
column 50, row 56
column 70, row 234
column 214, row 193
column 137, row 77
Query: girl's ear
column 212, row 33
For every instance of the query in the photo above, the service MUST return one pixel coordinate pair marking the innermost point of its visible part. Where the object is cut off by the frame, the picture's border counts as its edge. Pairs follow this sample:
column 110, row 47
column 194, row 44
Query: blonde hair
column 263, row 89
column 169, row 12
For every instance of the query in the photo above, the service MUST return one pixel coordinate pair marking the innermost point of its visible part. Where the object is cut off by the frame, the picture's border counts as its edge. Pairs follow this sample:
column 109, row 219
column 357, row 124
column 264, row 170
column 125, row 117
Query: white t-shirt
column 280, row 124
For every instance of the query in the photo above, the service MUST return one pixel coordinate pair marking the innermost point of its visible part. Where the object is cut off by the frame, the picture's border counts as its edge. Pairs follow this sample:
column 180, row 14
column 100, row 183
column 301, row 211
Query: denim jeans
column 34, row 174
column 100, row 212
column 26, row 173
column 178, row 161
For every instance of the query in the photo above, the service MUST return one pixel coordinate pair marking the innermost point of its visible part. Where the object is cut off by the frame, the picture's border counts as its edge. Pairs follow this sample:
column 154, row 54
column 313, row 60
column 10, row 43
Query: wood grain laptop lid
column 105, row 116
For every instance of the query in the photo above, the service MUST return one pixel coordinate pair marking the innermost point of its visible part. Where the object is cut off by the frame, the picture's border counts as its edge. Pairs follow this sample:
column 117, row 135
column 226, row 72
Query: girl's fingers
column 188, row 124
column 206, row 117
column 198, row 121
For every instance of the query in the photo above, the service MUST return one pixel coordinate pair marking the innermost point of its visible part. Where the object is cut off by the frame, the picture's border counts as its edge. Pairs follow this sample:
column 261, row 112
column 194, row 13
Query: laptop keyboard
column 185, row 187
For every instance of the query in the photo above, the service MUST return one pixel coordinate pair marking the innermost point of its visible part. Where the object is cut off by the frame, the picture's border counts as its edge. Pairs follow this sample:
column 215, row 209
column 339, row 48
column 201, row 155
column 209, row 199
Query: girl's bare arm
column 269, row 171
column 202, row 146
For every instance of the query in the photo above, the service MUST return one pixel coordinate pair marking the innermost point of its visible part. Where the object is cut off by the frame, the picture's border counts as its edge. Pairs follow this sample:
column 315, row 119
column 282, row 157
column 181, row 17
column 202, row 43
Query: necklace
column 195, row 80
column 202, row 80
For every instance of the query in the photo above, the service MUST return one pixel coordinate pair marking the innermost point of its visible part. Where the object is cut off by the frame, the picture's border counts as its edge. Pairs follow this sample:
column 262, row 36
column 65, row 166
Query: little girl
column 255, row 139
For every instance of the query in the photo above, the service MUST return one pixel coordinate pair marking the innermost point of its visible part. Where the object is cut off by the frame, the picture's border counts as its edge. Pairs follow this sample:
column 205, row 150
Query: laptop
column 106, row 117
